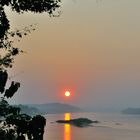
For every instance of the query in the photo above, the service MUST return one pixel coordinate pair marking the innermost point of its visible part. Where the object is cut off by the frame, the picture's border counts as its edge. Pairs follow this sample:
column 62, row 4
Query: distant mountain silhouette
column 135, row 111
column 49, row 108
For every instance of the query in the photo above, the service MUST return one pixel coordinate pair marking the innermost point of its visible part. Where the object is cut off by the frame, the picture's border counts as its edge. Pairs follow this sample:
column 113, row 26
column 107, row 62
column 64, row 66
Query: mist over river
column 112, row 126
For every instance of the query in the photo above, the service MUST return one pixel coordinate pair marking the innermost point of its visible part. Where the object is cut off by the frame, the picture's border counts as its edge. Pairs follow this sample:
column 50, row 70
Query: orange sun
column 67, row 93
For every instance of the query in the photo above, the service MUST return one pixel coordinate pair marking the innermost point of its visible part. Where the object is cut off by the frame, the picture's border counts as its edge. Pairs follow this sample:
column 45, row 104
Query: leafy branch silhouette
column 13, row 124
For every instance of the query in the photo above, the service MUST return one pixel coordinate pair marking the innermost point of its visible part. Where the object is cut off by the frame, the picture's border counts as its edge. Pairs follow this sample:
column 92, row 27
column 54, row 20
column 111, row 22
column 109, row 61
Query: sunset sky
column 92, row 50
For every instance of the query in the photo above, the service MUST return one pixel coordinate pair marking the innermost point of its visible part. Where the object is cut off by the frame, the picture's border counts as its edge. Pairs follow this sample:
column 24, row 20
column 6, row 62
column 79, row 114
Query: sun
column 67, row 93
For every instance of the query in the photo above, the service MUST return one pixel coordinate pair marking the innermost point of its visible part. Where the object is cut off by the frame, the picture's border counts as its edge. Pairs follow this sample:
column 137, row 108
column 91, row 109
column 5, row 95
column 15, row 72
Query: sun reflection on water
column 67, row 127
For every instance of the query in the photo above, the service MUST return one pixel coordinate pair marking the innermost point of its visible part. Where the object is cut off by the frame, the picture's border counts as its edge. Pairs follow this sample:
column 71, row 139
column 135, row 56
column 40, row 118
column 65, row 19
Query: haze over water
column 111, row 127
column 92, row 49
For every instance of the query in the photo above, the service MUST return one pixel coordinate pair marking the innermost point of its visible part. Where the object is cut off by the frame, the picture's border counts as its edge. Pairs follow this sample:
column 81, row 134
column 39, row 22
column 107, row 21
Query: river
column 112, row 126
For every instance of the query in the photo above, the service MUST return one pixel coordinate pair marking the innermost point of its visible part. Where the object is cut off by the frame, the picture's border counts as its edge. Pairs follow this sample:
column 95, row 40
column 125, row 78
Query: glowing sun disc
column 67, row 93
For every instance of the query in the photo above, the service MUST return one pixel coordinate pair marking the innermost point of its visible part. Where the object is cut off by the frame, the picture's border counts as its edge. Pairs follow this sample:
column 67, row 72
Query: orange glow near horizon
column 67, row 129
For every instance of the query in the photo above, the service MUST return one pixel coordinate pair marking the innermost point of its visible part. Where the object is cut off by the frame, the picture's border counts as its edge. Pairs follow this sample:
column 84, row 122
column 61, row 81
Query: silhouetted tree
column 36, row 128
column 10, row 115
column 12, row 89
column 3, row 80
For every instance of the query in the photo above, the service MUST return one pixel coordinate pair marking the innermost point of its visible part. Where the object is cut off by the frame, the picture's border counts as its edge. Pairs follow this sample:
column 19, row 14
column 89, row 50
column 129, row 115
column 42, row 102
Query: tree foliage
column 15, row 125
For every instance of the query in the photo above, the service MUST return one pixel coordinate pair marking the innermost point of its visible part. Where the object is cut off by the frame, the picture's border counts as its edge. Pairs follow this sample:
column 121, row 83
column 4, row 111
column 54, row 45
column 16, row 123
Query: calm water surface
column 112, row 126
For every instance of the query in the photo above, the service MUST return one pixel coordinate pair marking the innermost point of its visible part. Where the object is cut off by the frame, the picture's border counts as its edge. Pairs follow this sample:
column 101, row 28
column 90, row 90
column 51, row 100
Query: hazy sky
column 92, row 49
